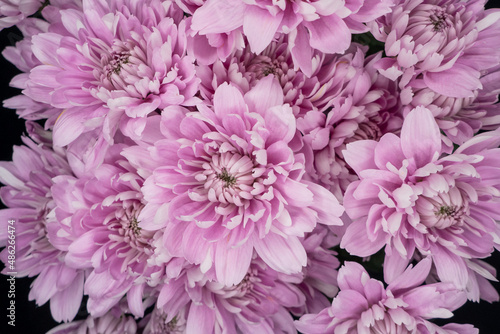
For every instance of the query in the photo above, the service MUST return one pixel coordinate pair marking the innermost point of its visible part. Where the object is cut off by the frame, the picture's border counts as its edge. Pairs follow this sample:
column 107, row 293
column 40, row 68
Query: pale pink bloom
column 27, row 194
column 322, row 25
column 444, row 43
column 100, row 214
column 206, row 49
column 110, row 66
column 409, row 198
column 229, row 180
column 364, row 306
column 258, row 303
column 14, row 11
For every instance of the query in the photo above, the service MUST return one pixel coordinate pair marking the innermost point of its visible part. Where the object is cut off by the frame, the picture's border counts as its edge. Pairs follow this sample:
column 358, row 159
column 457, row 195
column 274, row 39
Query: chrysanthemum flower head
column 409, row 197
column 228, row 180
column 14, row 11
column 110, row 66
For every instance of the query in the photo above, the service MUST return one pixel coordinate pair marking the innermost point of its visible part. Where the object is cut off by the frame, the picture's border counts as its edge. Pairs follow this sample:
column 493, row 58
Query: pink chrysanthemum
column 444, row 43
column 408, row 198
column 110, row 66
column 100, row 214
column 311, row 25
column 27, row 194
column 229, row 181
column 256, row 304
column 364, row 306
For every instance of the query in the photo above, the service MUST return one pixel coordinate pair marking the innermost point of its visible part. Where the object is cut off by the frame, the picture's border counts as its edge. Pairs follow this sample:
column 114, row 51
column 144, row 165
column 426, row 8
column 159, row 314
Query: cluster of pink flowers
column 195, row 166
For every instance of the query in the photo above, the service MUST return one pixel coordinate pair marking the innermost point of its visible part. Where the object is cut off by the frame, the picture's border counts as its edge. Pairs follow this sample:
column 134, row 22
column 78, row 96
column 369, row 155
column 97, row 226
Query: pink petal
column 228, row 100
column 259, row 25
column 301, row 50
column 459, row 81
column 218, row 16
column 450, row 267
column 65, row 304
column 267, row 93
column 329, row 34
column 360, row 155
column 201, row 319
column 420, row 137
column 231, row 264
column 326, row 205
column 284, row 255
column 357, row 242
column 389, row 151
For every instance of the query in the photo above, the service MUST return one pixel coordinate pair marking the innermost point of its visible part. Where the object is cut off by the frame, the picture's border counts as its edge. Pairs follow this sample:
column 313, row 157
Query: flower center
column 366, row 130
column 262, row 66
column 226, row 177
column 444, row 210
column 447, row 211
column 118, row 59
column 247, row 282
column 439, row 19
column 134, row 226
column 129, row 230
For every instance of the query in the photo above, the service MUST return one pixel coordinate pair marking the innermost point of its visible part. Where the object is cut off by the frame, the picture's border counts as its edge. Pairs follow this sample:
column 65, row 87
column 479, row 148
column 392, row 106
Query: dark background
column 33, row 319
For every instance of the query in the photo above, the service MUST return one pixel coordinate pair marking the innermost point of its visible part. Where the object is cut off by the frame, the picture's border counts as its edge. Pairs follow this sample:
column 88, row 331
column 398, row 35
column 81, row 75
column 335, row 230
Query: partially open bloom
column 409, row 198
column 27, row 194
column 364, row 306
column 227, row 181
column 313, row 94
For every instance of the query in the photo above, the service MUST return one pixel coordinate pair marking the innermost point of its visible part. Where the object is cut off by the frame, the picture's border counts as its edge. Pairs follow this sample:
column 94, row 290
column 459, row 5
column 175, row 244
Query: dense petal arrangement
column 111, row 65
column 206, row 166
column 229, row 181
column 409, row 198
